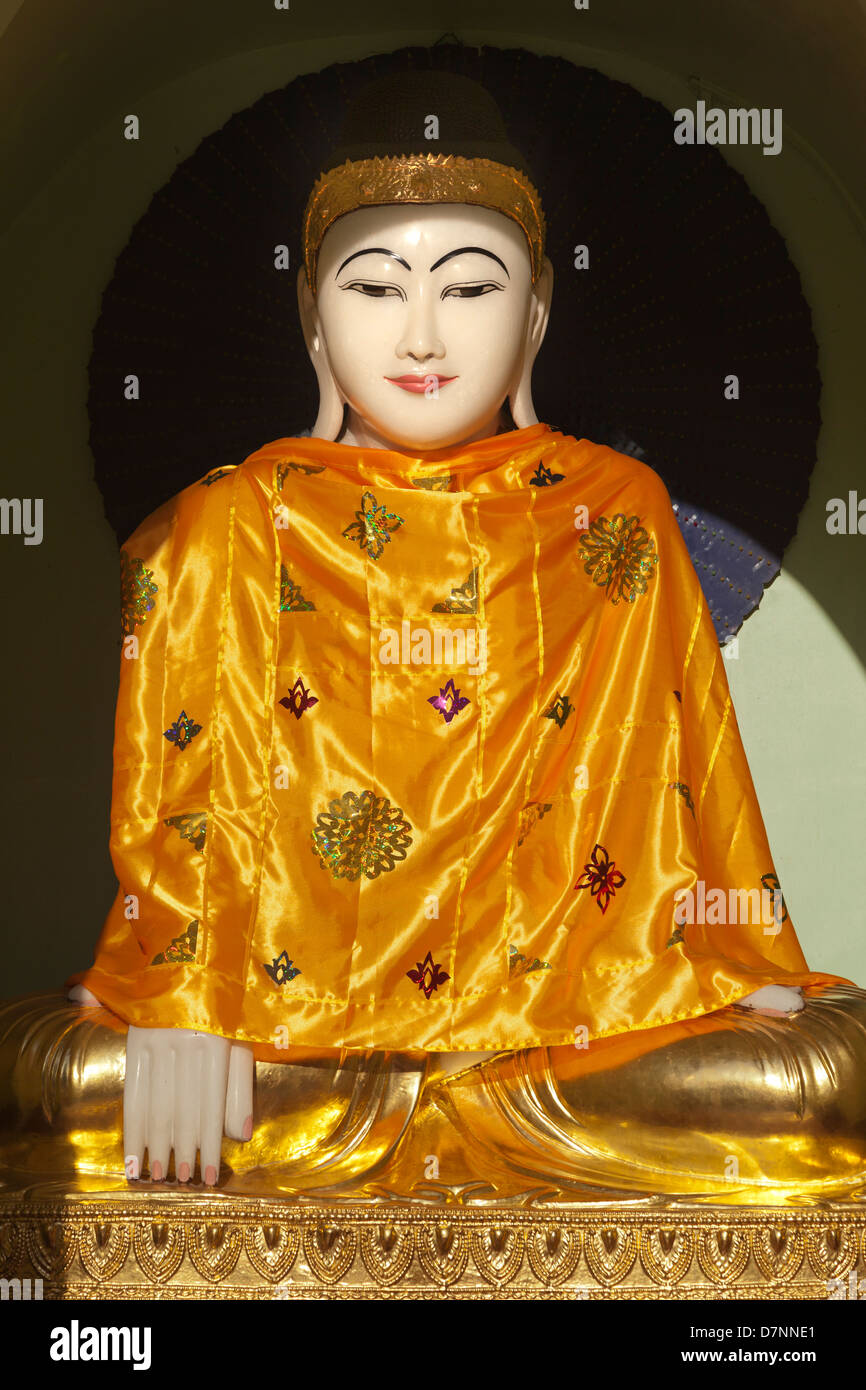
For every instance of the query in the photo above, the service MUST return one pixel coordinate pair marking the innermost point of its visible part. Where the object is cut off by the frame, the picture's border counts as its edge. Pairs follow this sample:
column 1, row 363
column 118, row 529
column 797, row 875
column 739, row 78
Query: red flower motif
column 299, row 699
column 428, row 977
column 601, row 876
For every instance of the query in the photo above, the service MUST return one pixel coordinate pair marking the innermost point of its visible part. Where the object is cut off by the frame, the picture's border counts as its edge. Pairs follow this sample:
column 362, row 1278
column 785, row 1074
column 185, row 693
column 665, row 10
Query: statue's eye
column 374, row 290
column 469, row 291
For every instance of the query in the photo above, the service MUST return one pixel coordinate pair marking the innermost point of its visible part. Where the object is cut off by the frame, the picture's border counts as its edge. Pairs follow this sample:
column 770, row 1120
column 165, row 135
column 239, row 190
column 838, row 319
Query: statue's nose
column 420, row 340
column 422, row 353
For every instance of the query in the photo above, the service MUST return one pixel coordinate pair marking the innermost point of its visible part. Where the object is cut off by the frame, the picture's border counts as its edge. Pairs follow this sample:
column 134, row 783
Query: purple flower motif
column 449, row 701
column 182, row 731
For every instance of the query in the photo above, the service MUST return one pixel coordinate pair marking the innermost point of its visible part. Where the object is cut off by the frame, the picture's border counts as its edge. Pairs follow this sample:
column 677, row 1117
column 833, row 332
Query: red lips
column 412, row 381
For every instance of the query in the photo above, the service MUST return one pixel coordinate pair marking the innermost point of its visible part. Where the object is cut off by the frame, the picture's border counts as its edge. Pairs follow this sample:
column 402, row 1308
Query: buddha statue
column 433, row 828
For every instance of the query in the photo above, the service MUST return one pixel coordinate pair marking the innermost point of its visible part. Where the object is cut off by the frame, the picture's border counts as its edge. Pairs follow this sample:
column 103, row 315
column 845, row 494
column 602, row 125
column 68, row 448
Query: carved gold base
column 162, row 1245
column 722, row 1157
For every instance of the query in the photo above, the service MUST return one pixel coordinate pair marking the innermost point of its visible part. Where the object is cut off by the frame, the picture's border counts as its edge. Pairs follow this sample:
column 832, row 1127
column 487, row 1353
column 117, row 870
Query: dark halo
column 688, row 283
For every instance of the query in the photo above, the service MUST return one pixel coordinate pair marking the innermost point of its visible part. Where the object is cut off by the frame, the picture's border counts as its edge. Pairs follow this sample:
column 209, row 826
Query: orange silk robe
column 418, row 754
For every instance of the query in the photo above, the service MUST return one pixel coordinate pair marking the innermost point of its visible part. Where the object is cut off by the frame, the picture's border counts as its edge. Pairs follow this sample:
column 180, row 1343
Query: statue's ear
column 329, row 421
column 520, row 397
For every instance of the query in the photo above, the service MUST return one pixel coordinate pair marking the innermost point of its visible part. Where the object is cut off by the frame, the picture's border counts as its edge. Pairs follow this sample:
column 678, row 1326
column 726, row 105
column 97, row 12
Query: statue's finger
column 239, row 1092
column 160, row 1110
column 214, row 1079
column 187, row 1109
column 80, row 994
column 136, row 1089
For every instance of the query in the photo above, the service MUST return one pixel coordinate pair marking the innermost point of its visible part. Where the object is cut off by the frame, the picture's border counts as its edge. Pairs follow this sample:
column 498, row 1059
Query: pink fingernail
column 248, row 1127
column 156, row 1171
column 183, row 1173
column 210, row 1175
column 132, row 1167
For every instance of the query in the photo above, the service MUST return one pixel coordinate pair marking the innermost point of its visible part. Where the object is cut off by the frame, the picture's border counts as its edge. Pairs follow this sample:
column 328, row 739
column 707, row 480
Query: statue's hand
column 80, row 994
column 777, row 1001
column 182, row 1090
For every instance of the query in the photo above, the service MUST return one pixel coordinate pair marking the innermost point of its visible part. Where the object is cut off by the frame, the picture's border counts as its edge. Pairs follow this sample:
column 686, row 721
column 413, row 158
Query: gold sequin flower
column 441, row 483
column 292, row 599
column 685, row 792
column 281, row 969
column 192, row 827
column 182, row 949
column 545, row 477
column 464, row 598
column 361, row 835
column 620, row 556
column 530, row 815
column 519, row 964
column 136, row 593
column 372, row 526
column 559, row 710
column 308, row 469
column 774, row 888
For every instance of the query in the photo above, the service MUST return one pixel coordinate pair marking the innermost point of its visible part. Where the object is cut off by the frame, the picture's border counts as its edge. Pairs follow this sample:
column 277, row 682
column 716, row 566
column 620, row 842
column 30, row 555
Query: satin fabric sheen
column 657, row 779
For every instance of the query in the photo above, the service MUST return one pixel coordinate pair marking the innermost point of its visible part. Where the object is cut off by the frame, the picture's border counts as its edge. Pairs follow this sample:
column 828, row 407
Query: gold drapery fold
column 420, row 754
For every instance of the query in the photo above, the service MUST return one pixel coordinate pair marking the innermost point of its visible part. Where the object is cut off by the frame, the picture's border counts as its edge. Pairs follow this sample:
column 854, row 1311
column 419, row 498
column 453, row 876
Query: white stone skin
column 183, row 1090
column 406, row 306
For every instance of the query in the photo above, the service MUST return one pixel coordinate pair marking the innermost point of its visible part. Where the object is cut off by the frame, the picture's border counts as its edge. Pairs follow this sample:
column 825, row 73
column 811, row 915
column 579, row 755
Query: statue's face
column 424, row 312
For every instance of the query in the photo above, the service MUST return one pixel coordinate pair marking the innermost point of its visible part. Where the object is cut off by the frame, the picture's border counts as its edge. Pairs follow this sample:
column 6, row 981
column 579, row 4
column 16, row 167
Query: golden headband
column 422, row 178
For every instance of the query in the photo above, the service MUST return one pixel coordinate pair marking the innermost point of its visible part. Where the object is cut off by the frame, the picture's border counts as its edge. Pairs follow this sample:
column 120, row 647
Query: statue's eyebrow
column 375, row 250
column 461, row 250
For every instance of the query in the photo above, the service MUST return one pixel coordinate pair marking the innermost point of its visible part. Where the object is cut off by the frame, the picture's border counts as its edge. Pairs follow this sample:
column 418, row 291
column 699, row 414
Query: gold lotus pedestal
column 726, row 1159
column 164, row 1245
